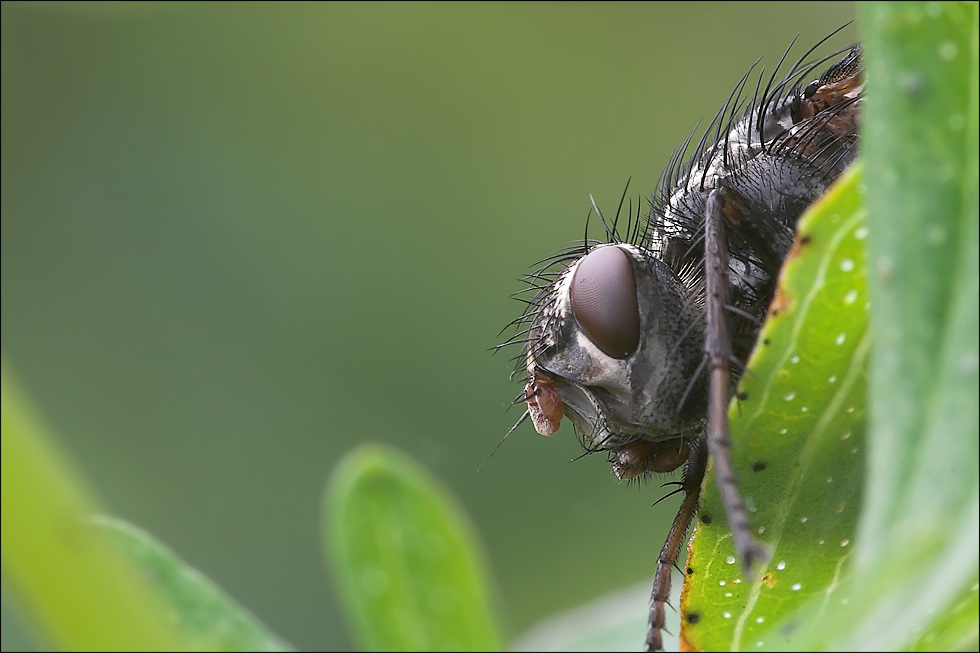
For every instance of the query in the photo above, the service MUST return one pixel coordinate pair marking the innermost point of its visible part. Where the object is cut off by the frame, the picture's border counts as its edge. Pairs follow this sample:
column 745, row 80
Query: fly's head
column 614, row 343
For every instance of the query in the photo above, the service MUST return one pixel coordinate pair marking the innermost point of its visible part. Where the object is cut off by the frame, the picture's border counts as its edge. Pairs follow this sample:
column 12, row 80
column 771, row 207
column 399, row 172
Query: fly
column 637, row 338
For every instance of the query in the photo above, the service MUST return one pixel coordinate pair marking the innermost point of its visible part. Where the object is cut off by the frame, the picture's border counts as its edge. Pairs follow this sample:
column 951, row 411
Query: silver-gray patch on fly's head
column 640, row 390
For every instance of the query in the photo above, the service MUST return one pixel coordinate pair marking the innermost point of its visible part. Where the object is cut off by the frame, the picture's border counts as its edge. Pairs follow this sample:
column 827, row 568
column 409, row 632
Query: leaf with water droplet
column 912, row 580
column 406, row 562
column 798, row 434
column 205, row 617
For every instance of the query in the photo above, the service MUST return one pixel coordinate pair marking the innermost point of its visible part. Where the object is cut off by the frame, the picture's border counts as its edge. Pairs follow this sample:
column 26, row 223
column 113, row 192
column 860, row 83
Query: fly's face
column 616, row 345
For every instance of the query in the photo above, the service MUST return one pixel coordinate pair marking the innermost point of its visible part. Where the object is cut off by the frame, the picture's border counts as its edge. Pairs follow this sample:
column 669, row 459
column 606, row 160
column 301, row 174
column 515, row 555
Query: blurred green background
column 240, row 239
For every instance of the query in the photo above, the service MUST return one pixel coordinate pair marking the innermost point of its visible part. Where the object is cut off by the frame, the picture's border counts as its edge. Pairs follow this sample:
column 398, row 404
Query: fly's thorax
column 619, row 338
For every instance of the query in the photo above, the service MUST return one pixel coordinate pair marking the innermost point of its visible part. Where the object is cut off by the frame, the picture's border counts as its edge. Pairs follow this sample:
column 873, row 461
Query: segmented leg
column 691, row 480
column 718, row 349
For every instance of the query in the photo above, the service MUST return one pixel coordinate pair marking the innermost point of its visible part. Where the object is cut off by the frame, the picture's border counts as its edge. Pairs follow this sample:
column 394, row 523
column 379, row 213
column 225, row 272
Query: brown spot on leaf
column 782, row 300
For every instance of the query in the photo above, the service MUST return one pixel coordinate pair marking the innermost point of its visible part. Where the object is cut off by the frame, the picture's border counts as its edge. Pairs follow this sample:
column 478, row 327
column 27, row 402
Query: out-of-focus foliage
column 239, row 240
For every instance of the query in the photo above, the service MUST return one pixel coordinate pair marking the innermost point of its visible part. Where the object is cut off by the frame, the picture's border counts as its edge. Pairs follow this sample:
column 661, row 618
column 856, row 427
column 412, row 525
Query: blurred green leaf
column 405, row 559
column 205, row 616
column 81, row 594
column 616, row 621
column 915, row 573
column 799, row 428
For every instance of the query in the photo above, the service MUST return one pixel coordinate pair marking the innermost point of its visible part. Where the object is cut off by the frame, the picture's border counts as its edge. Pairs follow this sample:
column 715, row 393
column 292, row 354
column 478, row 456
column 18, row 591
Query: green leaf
column 616, row 621
column 912, row 580
column 405, row 560
column 79, row 591
column 916, row 565
column 205, row 616
column 799, row 434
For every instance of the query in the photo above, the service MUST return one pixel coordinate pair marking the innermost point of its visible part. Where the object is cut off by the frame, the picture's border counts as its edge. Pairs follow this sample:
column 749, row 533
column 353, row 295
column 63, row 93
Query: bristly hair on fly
column 742, row 129
column 636, row 340
column 540, row 284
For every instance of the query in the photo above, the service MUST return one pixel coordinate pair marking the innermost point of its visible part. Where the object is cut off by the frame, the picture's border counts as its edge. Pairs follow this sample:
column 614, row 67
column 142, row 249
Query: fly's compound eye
column 603, row 295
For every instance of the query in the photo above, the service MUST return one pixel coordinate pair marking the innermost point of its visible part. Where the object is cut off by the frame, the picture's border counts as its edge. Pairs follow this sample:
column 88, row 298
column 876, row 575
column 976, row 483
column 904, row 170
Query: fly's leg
column 691, row 480
column 718, row 350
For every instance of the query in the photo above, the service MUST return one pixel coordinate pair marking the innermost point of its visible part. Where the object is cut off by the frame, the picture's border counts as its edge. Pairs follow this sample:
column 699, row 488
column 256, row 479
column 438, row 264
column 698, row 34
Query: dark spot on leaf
column 758, row 466
column 690, row 571
column 692, row 617
column 796, row 463
column 768, row 581
column 805, row 240
column 705, row 518
column 766, row 342
column 789, row 627
column 912, row 84
column 742, row 395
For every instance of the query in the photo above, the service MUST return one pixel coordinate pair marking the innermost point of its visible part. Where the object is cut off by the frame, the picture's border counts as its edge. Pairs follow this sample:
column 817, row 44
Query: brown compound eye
column 603, row 295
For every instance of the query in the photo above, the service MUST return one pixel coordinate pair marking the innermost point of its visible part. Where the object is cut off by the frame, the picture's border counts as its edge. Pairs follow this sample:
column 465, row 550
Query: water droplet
column 726, row 615
column 847, row 265
column 794, row 360
column 841, row 338
column 730, row 560
column 861, row 233
column 969, row 365
column 759, row 620
column 722, row 583
column 796, row 587
column 781, row 565
column 803, row 520
column 789, row 396
column 851, row 296
column 831, row 379
column 845, row 542
column 948, row 50
column 886, row 269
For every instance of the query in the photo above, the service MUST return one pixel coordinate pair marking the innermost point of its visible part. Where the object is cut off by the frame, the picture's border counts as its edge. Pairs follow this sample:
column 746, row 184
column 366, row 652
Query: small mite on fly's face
column 637, row 338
